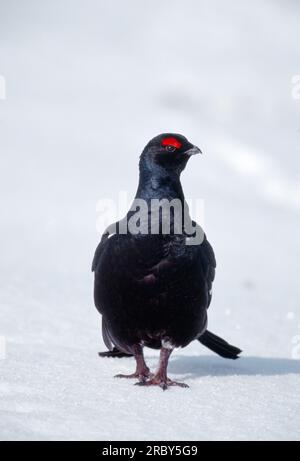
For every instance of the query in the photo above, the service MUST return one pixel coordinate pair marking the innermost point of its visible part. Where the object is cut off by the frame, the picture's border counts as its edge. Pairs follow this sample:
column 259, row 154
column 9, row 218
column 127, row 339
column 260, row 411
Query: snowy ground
column 88, row 83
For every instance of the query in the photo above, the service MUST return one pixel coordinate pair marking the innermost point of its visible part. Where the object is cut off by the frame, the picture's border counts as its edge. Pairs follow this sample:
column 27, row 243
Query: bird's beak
column 193, row 151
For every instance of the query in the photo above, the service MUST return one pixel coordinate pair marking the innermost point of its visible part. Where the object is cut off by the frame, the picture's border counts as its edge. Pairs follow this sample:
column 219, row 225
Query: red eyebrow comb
column 171, row 141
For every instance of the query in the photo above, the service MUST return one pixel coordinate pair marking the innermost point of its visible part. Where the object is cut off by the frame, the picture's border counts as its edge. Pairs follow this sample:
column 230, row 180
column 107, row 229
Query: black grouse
column 154, row 269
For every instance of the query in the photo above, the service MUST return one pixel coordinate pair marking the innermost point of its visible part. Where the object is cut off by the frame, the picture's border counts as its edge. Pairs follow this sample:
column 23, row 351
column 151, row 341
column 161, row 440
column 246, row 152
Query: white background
column 88, row 83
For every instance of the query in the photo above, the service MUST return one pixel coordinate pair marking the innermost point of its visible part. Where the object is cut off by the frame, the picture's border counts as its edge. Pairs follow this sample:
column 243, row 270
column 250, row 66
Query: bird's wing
column 109, row 339
column 209, row 264
column 99, row 250
column 106, row 335
column 109, row 231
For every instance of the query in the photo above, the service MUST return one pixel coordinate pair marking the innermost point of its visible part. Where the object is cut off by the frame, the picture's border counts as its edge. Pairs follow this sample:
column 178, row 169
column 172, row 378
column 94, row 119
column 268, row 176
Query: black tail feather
column 208, row 339
column 219, row 346
column 114, row 353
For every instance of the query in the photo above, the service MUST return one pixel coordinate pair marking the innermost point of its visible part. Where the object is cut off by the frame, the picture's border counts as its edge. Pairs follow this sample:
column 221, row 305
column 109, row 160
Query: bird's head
column 169, row 152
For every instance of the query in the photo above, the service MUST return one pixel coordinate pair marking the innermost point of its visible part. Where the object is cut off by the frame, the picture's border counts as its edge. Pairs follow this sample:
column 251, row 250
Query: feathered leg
column 160, row 378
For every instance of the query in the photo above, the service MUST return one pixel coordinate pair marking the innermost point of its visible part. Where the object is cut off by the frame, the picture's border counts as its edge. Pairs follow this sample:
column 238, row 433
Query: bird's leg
column 142, row 372
column 160, row 378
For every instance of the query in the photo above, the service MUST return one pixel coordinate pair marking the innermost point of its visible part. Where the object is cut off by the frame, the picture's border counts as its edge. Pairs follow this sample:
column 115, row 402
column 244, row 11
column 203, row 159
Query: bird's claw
column 164, row 384
column 142, row 377
column 120, row 375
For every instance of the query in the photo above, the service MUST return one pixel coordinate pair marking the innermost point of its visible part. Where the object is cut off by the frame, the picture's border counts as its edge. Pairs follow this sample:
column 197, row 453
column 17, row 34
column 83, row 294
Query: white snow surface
column 87, row 85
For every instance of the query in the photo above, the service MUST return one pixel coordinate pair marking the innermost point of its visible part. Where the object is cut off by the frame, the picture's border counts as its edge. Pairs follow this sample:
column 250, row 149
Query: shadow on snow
column 197, row 366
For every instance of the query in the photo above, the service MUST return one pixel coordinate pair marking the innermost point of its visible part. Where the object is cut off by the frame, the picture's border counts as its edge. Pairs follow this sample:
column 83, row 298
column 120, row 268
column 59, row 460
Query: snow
column 87, row 84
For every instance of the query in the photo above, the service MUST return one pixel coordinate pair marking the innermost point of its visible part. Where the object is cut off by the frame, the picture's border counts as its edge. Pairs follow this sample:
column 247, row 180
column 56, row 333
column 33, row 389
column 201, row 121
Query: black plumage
column 154, row 289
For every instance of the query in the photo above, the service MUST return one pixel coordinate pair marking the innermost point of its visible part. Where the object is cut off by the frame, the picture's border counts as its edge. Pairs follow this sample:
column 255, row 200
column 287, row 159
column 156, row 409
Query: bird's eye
column 170, row 148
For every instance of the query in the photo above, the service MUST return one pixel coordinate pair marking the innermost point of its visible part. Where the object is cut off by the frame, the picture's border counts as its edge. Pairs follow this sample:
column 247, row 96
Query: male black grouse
column 154, row 288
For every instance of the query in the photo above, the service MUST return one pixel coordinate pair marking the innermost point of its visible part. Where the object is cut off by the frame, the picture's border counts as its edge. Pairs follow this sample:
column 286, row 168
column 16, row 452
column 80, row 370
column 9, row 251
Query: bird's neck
column 157, row 183
column 166, row 211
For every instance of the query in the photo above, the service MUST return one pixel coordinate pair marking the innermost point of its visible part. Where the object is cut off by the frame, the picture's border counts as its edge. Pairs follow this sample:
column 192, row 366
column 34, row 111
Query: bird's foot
column 142, row 376
column 164, row 383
